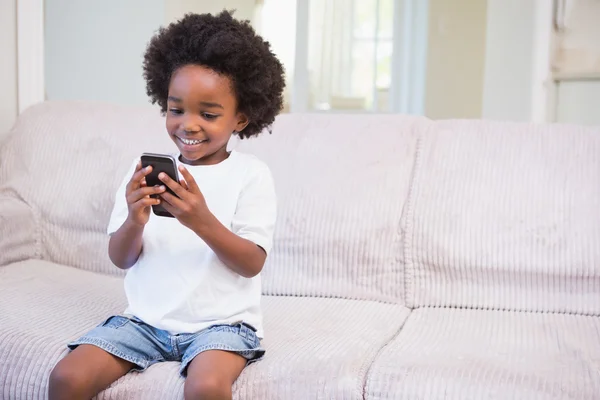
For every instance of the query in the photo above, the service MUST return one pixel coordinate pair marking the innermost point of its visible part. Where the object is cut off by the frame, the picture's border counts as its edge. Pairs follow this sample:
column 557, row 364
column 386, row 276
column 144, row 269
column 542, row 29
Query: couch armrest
column 20, row 237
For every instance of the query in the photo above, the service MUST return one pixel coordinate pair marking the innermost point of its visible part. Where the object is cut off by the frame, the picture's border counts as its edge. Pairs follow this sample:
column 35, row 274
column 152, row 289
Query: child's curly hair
column 227, row 46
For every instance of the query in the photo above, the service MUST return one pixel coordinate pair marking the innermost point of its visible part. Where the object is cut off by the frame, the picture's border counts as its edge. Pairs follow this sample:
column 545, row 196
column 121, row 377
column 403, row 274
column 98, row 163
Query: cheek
column 171, row 126
column 216, row 127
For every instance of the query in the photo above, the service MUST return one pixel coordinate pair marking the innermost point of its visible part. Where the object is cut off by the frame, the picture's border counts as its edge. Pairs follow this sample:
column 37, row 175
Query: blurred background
column 522, row 60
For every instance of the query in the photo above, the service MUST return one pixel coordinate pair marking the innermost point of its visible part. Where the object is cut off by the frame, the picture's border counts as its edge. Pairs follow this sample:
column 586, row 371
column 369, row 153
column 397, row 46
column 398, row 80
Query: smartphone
column 160, row 163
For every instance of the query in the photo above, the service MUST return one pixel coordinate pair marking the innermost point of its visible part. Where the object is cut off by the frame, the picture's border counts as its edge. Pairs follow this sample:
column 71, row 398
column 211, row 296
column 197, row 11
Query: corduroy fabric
column 506, row 216
column 342, row 182
column 452, row 354
column 498, row 223
column 316, row 348
column 19, row 229
column 64, row 161
column 338, row 232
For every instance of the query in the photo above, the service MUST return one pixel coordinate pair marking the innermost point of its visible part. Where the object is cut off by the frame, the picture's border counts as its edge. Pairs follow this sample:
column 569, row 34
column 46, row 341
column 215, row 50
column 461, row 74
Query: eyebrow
column 202, row 103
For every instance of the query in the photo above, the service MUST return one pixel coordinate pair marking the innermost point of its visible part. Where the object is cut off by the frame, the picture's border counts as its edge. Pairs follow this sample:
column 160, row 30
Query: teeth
column 191, row 142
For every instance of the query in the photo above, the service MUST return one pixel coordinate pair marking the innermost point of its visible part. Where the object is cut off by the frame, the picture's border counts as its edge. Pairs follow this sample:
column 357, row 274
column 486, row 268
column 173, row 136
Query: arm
column 125, row 245
column 240, row 255
column 244, row 248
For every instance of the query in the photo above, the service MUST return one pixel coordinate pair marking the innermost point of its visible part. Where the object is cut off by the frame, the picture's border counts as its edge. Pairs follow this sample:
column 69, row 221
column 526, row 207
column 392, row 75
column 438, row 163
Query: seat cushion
column 316, row 348
column 476, row 354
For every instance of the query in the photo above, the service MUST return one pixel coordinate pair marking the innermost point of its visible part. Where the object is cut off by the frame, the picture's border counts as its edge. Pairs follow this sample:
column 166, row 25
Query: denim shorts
column 133, row 340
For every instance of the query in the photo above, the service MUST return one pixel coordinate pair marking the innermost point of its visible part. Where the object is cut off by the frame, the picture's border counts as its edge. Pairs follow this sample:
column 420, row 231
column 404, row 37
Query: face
column 202, row 114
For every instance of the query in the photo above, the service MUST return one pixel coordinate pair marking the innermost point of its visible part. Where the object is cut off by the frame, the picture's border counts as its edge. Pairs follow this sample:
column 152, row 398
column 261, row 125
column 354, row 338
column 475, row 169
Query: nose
column 191, row 125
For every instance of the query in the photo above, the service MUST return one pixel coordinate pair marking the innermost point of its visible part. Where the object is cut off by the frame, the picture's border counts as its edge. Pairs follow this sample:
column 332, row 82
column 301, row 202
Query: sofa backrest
column 389, row 208
column 506, row 216
column 59, row 169
column 342, row 182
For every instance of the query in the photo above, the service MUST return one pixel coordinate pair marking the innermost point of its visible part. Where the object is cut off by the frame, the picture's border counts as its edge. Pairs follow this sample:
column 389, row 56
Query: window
column 349, row 55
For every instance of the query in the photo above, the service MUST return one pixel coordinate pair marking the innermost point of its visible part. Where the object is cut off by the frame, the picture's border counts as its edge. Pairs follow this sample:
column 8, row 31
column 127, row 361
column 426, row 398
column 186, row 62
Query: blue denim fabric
column 133, row 340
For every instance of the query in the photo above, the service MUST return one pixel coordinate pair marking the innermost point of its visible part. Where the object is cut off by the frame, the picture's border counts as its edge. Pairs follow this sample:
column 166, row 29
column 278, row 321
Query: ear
column 242, row 122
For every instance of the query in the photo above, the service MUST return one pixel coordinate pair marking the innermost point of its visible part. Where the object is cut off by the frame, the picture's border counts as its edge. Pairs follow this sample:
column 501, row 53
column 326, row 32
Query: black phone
column 160, row 163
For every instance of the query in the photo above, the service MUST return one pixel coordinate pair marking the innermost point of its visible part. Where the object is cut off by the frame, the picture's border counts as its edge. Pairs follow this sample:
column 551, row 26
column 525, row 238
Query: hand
column 189, row 206
column 138, row 197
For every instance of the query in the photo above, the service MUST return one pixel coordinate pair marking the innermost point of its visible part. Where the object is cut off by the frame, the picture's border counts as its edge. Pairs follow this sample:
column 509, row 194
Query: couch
column 414, row 259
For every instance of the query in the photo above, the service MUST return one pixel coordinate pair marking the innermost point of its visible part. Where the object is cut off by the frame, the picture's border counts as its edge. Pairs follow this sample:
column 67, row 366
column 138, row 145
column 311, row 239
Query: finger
column 139, row 174
column 184, row 184
column 174, row 186
column 189, row 180
column 146, row 202
column 173, row 201
column 144, row 192
column 130, row 184
column 170, row 208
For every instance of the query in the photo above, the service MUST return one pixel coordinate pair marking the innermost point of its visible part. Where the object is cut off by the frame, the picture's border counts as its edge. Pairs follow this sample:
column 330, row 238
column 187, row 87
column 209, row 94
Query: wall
column 8, row 64
column 509, row 64
column 522, row 56
column 94, row 48
column 455, row 58
column 175, row 9
column 578, row 102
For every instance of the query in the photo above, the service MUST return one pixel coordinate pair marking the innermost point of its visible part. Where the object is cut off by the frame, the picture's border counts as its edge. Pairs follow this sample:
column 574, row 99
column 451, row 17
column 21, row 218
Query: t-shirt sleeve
column 256, row 210
column 120, row 212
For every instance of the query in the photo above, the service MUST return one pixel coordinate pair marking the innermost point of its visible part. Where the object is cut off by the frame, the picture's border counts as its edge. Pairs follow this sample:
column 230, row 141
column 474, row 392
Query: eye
column 208, row 116
column 175, row 111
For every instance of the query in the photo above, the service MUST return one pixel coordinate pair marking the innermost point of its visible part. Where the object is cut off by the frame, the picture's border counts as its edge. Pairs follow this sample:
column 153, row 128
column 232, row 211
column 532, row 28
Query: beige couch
column 413, row 259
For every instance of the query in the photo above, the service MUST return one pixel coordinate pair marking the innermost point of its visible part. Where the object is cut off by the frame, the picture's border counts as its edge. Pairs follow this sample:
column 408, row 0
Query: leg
column 85, row 372
column 211, row 375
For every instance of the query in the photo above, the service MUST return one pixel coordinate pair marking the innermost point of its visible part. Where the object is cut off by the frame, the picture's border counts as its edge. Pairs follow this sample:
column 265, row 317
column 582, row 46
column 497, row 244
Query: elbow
column 117, row 259
column 258, row 262
column 250, row 275
column 122, row 266
column 120, row 263
column 252, row 270
column 116, row 262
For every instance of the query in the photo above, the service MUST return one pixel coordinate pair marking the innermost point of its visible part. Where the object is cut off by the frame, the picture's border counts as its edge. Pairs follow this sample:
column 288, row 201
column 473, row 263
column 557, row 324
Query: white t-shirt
column 178, row 284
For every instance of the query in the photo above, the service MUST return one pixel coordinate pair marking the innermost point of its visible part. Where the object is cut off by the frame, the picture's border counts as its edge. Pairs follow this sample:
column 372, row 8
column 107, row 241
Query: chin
column 192, row 156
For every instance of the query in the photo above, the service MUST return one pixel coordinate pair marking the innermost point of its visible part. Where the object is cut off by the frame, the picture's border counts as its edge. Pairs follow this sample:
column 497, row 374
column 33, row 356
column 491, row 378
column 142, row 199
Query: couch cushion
column 316, row 348
column 342, row 182
column 506, row 216
column 476, row 354
column 65, row 160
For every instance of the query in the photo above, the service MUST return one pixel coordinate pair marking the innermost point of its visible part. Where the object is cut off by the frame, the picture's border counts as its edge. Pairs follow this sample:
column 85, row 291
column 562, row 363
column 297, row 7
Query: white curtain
column 330, row 47
column 275, row 20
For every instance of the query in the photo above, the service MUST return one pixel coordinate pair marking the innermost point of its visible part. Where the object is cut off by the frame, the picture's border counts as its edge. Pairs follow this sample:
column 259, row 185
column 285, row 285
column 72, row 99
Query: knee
column 65, row 382
column 207, row 388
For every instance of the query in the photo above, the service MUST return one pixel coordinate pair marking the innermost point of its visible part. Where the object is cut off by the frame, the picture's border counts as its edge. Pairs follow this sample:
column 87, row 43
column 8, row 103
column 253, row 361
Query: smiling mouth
column 191, row 142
